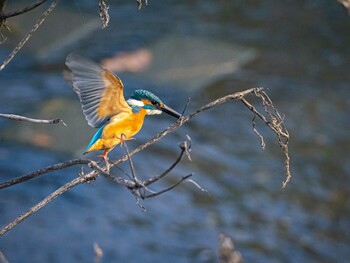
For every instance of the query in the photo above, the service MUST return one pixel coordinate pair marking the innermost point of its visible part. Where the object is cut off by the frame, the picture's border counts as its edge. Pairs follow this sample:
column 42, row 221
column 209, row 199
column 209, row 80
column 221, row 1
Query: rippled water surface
column 301, row 55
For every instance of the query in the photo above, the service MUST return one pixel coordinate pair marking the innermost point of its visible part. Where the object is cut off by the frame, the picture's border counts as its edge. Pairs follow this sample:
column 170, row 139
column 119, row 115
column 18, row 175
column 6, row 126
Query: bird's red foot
column 123, row 138
column 105, row 158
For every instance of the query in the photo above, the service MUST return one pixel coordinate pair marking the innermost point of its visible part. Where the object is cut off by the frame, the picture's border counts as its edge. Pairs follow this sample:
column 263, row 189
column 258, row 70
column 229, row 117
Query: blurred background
column 298, row 50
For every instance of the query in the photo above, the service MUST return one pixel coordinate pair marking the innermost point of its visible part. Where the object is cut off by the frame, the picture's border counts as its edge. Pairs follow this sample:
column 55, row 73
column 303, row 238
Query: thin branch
column 22, row 118
column 45, row 201
column 3, row 22
column 3, row 259
column 183, row 147
column 185, row 108
column 139, row 3
column 98, row 253
column 261, row 138
column 197, row 185
column 104, row 16
column 31, row 32
column 22, row 11
column 103, row 171
column 132, row 168
column 169, row 188
column 42, row 171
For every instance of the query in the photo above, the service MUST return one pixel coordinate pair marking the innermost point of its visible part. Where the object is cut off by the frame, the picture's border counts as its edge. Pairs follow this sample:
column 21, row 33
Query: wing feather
column 100, row 91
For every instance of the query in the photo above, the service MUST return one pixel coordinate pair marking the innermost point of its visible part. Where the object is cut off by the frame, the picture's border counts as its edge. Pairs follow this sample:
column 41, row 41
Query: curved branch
column 184, row 148
column 22, row 11
column 183, row 178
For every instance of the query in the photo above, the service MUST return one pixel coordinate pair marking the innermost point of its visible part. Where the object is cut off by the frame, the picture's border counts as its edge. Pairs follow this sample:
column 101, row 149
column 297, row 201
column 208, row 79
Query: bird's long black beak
column 168, row 110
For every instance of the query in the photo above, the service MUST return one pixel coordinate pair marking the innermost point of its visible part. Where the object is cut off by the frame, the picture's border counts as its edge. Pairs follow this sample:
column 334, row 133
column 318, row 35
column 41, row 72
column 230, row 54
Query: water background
column 302, row 51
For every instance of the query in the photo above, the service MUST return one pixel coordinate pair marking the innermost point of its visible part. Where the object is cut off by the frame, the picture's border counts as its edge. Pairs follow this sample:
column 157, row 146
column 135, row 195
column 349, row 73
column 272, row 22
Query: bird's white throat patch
column 133, row 102
column 153, row 112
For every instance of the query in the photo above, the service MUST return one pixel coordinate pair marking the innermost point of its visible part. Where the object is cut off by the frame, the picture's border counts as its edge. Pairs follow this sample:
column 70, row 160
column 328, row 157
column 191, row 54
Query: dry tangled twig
column 104, row 16
column 140, row 189
column 275, row 122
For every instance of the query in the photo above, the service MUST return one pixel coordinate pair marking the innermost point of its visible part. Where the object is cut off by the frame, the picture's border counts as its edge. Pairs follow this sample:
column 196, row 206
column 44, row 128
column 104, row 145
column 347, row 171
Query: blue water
column 304, row 50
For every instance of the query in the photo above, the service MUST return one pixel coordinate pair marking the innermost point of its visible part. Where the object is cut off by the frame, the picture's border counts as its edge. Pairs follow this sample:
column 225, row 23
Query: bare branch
column 262, row 142
column 227, row 251
column 98, row 253
column 150, row 181
column 185, row 108
column 31, row 32
column 42, row 171
column 22, row 118
column 3, row 22
column 139, row 3
column 169, row 188
column 41, row 204
column 22, row 11
column 132, row 168
column 104, row 16
column 3, row 259
column 197, row 185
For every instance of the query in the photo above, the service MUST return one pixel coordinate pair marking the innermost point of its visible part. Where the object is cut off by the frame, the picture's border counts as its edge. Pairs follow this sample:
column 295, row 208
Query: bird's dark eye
column 155, row 103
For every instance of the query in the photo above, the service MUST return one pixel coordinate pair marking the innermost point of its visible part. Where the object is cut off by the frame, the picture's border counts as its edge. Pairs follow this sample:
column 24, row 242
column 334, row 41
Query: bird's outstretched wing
column 100, row 91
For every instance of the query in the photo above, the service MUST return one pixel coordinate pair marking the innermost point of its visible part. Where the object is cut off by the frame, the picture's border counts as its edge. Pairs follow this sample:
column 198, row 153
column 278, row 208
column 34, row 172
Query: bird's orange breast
column 128, row 124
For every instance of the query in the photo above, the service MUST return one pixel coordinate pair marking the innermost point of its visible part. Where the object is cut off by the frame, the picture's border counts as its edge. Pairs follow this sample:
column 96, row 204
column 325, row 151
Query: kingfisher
column 101, row 94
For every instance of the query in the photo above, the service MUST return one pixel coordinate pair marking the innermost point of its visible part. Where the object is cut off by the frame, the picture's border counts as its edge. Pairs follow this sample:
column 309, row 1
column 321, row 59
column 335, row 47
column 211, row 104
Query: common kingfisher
column 104, row 106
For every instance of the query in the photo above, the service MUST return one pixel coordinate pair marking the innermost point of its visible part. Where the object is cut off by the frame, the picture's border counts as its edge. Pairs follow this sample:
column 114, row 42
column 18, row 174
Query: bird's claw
column 105, row 158
column 123, row 138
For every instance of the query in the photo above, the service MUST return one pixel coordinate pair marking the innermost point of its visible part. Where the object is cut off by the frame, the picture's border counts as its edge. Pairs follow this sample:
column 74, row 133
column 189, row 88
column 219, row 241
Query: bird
column 101, row 95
